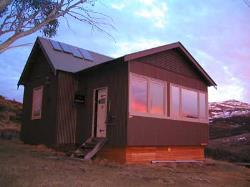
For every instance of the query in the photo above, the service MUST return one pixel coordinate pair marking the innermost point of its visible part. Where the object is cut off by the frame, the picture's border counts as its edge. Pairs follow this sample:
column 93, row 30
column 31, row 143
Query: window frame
column 176, row 117
column 206, row 106
column 34, row 117
column 181, row 116
column 148, row 113
column 130, row 95
column 197, row 100
column 159, row 82
column 167, row 100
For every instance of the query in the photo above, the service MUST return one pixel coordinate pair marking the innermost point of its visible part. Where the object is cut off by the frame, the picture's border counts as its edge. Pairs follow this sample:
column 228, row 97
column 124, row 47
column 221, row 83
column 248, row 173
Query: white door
column 102, row 95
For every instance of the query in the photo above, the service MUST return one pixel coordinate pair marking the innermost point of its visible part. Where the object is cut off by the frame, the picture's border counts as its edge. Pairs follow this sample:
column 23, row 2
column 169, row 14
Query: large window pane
column 175, row 101
column 189, row 103
column 138, row 91
column 157, row 98
column 203, row 106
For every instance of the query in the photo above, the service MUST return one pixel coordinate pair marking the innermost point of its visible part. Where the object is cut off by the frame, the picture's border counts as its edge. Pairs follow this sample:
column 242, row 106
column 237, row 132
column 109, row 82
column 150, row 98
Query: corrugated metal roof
column 68, row 62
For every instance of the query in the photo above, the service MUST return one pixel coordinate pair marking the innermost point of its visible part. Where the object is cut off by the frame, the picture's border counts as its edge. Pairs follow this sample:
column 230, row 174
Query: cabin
column 143, row 107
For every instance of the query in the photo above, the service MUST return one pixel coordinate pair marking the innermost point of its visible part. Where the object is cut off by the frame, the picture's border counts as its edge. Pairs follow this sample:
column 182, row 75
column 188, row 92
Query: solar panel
column 56, row 45
column 86, row 55
column 77, row 53
column 66, row 48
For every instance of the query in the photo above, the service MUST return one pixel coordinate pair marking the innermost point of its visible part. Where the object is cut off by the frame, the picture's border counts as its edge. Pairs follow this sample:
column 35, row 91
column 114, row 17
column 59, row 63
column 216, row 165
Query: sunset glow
column 215, row 32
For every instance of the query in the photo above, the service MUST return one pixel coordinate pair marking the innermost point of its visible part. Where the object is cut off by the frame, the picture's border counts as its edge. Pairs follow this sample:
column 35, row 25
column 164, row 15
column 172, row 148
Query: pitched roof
column 60, row 60
column 68, row 62
column 178, row 45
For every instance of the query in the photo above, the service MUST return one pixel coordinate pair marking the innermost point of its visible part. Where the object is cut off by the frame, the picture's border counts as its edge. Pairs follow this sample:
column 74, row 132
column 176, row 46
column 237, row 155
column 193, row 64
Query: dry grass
column 10, row 115
column 24, row 165
column 233, row 148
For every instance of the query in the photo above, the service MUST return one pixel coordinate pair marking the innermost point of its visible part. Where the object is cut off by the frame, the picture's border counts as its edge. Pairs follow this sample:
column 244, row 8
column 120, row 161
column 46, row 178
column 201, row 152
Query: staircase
column 89, row 148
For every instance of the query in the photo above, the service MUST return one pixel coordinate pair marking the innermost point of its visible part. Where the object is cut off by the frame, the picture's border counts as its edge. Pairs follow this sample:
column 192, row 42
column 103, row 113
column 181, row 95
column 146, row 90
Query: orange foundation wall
column 135, row 155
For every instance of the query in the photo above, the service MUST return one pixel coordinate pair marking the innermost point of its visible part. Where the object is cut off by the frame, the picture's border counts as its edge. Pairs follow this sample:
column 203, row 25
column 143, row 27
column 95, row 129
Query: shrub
column 3, row 108
column 221, row 154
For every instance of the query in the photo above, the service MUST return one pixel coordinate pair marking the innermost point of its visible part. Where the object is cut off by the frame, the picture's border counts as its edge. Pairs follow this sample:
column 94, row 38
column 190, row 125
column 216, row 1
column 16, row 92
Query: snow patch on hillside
column 227, row 109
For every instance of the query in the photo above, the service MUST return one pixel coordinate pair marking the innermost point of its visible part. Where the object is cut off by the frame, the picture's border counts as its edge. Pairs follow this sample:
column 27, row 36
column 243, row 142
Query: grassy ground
column 24, row 165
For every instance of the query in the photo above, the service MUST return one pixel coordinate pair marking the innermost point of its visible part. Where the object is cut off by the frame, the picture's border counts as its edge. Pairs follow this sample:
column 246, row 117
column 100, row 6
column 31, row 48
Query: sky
column 215, row 32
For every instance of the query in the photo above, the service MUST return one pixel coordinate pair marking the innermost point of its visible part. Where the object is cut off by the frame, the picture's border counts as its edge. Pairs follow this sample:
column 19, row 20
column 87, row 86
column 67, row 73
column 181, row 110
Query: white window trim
column 159, row 82
column 165, row 116
column 148, row 113
column 130, row 96
column 183, row 118
column 170, row 102
column 197, row 99
column 33, row 117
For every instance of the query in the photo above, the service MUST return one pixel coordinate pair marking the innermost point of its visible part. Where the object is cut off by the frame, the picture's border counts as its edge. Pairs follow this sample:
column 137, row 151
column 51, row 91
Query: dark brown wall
column 39, row 130
column 145, row 131
column 115, row 77
column 172, row 67
column 66, row 109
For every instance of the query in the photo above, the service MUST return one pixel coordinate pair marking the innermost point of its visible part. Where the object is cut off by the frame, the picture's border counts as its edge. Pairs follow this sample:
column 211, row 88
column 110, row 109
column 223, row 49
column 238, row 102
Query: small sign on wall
column 79, row 98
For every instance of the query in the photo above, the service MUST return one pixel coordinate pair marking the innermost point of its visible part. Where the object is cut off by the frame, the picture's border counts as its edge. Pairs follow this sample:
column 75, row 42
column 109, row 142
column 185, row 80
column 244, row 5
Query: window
column 156, row 98
column 188, row 104
column 148, row 97
column 189, row 107
column 203, row 106
column 139, row 94
column 37, row 102
column 175, row 101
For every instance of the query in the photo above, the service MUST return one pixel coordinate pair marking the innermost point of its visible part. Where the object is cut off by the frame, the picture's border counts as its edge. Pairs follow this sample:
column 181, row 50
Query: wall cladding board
column 170, row 66
column 40, row 130
column 145, row 154
column 145, row 131
column 66, row 109
column 135, row 155
column 115, row 77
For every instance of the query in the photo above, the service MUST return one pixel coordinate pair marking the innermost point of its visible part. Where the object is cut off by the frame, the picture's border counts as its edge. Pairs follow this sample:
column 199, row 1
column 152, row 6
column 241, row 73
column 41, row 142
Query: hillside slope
column 10, row 115
column 228, row 108
column 229, row 131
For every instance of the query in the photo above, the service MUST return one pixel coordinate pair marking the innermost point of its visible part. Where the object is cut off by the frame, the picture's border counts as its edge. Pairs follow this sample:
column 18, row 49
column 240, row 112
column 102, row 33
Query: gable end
column 37, row 56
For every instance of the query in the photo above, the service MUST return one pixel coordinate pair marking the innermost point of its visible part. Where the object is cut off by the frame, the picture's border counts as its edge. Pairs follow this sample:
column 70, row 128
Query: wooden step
column 89, row 148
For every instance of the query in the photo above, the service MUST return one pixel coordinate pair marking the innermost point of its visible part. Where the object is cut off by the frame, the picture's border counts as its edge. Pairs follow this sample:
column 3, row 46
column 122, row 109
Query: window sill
column 132, row 114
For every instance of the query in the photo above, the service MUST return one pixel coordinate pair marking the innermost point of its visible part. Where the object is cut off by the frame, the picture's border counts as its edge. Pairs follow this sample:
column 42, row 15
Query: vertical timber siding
column 115, row 77
column 39, row 131
column 170, row 66
column 173, row 67
column 66, row 109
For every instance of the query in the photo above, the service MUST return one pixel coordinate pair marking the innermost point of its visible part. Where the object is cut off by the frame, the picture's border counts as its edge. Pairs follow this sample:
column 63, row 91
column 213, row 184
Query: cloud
column 230, row 85
column 153, row 11
column 126, row 47
column 147, row 2
column 227, row 92
column 118, row 6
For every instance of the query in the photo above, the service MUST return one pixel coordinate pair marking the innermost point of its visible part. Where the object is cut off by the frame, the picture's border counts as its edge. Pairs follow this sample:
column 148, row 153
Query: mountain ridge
column 228, row 108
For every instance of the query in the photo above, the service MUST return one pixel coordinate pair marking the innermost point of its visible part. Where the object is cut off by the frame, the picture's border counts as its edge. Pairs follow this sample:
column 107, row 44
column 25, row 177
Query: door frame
column 94, row 109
